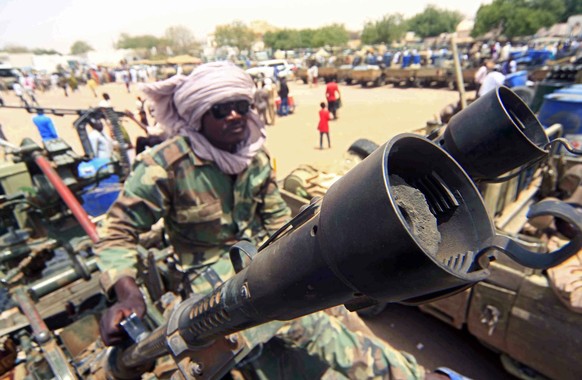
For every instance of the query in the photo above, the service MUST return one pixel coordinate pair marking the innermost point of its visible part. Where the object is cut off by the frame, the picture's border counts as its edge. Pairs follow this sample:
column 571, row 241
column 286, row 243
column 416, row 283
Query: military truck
column 367, row 75
column 301, row 73
column 344, row 74
column 327, row 73
column 468, row 78
column 324, row 74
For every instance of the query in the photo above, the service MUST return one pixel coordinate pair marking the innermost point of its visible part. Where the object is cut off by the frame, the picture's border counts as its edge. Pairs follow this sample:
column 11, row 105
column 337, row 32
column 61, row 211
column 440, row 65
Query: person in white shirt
column 314, row 71
column 18, row 91
column 480, row 76
column 493, row 80
column 106, row 101
column 101, row 144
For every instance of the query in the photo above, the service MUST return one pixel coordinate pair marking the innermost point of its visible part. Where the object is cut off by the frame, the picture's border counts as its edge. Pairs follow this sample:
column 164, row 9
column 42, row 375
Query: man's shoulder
column 262, row 158
column 170, row 151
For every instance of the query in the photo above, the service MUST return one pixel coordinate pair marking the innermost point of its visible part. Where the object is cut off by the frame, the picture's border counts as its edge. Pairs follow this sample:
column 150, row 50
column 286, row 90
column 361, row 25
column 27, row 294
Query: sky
column 57, row 24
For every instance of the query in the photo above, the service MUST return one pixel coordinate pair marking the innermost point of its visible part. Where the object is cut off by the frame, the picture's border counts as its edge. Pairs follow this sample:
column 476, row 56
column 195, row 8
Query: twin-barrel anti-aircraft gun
column 407, row 224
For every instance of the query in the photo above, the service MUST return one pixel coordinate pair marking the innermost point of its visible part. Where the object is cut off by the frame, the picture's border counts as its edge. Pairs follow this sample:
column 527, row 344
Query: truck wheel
column 364, row 84
column 348, row 81
column 525, row 93
column 363, row 148
column 304, row 81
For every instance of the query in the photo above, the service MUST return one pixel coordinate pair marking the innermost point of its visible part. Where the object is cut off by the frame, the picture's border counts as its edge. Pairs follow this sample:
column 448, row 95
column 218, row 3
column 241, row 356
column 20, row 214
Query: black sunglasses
column 222, row 110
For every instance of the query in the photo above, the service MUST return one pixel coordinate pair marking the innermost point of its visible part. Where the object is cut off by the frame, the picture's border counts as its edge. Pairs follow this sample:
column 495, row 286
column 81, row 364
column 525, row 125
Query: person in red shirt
column 332, row 95
column 323, row 126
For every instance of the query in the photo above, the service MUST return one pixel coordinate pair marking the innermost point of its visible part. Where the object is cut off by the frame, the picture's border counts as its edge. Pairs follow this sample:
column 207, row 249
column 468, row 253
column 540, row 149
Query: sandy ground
column 373, row 113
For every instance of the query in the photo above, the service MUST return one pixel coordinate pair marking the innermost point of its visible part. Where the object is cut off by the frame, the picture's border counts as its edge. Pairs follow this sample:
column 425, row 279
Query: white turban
column 181, row 101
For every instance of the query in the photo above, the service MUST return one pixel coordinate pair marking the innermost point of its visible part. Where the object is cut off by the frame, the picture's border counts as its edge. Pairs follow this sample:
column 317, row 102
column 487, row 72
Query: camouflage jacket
column 205, row 211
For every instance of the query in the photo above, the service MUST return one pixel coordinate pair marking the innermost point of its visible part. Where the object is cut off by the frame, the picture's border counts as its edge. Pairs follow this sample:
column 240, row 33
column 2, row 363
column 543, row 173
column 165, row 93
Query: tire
column 525, row 93
column 348, row 81
column 380, row 81
column 363, row 148
column 364, row 84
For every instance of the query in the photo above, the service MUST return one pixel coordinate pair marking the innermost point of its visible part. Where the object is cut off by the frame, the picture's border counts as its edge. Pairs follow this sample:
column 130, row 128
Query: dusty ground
column 373, row 113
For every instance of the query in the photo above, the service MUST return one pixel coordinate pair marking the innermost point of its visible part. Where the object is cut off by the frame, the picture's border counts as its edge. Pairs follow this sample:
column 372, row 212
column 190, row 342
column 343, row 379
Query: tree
column 331, row 35
column 16, row 49
column 238, row 35
column 145, row 41
column 181, row 40
column 285, row 39
column 80, row 47
column 434, row 21
column 40, row 51
column 573, row 7
column 521, row 17
column 390, row 28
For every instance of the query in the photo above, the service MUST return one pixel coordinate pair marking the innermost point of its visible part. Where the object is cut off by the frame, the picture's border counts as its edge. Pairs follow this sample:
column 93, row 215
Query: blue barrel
column 416, row 59
column 406, row 61
column 516, row 79
column 539, row 57
column 574, row 89
column 387, row 59
column 97, row 200
column 565, row 109
column 516, row 54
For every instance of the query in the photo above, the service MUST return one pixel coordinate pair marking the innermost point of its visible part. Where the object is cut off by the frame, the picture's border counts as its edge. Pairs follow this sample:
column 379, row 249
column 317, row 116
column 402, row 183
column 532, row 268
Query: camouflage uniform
column 205, row 211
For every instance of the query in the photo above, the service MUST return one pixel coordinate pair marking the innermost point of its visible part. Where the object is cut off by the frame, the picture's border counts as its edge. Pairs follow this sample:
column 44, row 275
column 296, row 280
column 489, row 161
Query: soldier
column 213, row 185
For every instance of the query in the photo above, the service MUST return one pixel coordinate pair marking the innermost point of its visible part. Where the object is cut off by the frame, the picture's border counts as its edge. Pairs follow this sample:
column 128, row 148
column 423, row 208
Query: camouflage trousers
column 331, row 344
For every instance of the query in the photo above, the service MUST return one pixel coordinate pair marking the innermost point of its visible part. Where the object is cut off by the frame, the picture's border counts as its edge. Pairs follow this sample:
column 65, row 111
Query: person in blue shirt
column 45, row 126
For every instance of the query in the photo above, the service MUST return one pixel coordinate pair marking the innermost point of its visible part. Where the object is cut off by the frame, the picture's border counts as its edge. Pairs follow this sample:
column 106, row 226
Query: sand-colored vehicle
column 344, row 74
column 327, row 73
column 324, row 74
column 368, row 74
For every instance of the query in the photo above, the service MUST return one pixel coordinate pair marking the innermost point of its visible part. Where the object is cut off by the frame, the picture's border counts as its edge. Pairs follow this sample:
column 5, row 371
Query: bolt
column 196, row 369
column 42, row 337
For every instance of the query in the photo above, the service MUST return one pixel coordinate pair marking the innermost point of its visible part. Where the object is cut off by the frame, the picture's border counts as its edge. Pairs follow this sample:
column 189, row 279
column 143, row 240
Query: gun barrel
column 363, row 243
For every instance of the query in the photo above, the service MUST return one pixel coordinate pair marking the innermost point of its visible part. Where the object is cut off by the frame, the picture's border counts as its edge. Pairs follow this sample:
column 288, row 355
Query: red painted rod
column 68, row 197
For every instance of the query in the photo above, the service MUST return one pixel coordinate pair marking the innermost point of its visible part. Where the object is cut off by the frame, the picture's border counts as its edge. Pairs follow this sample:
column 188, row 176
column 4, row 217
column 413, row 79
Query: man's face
column 225, row 124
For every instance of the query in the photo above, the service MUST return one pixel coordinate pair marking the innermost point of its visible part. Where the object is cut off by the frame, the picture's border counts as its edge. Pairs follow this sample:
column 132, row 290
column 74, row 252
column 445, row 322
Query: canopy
column 184, row 59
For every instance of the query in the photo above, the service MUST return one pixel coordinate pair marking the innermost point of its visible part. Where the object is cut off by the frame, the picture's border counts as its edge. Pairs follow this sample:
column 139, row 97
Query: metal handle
column 242, row 247
column 535, row 260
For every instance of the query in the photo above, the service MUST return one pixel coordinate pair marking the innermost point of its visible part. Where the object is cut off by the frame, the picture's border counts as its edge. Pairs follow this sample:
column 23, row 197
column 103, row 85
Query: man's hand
column 129, row 300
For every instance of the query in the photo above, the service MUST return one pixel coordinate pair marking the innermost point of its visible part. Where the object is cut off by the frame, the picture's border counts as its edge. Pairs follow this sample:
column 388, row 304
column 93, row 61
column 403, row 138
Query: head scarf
column 181, row 101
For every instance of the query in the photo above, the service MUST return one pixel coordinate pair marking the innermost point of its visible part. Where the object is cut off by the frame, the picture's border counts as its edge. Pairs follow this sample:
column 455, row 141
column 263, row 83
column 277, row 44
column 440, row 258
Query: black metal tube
column 51, row 283
column 151, row 347
column 360, row 245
